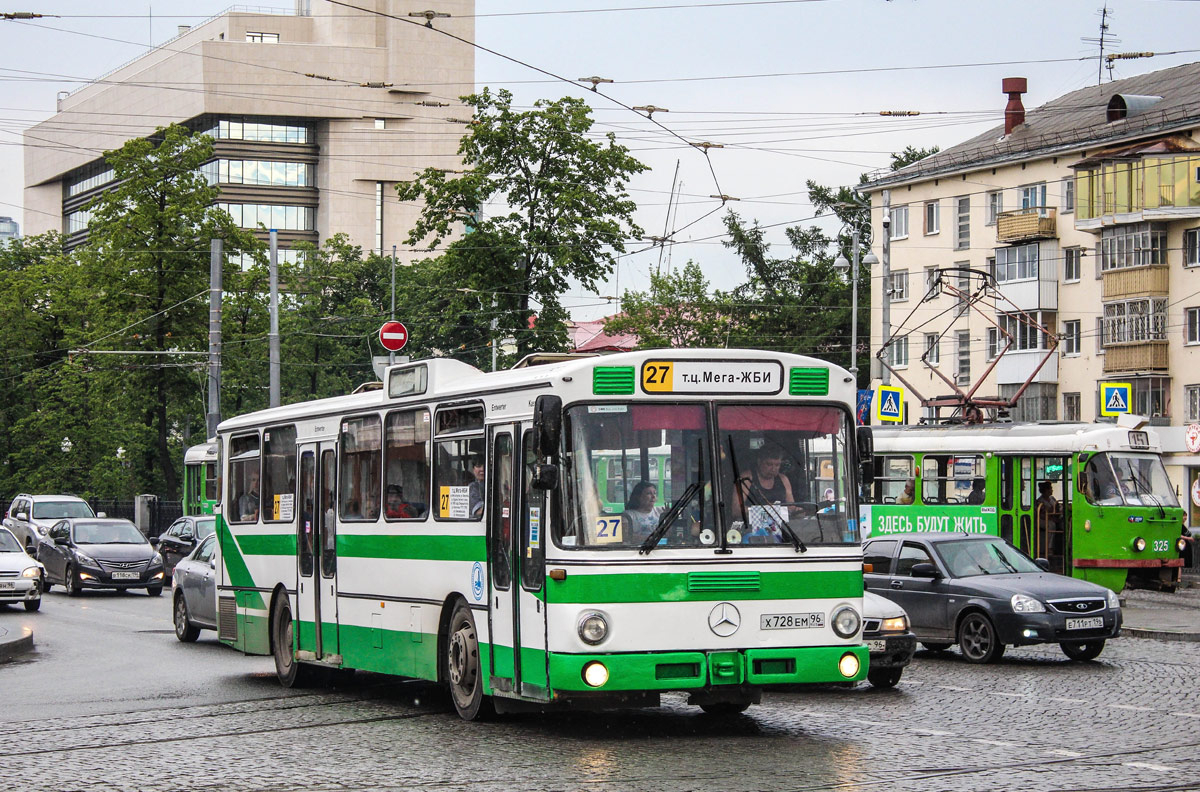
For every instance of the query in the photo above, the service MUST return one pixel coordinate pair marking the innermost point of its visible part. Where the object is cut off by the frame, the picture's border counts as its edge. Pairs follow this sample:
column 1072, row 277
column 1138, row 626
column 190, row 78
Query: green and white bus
column 1092, row 499
column 363, row 532
column 200, row 478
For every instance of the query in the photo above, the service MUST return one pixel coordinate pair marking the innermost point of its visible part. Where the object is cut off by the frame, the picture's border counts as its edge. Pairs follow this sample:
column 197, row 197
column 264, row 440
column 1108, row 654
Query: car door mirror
column 31, row 550
column 23, row 516
column 153, row 540
column 61, row 539
column 187, row 537
column 1043, row 563
column 102, row 515
column 925, row 570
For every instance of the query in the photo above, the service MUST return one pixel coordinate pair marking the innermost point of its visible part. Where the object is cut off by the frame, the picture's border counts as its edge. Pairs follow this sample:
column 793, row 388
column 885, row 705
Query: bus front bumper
column 701, row 669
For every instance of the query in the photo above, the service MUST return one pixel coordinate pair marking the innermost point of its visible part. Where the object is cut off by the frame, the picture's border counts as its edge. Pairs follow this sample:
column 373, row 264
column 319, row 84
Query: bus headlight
column 1139, row 544
column 595, row 674
column 848, row 665
column 845, row 622
column 593, row 628
column 1181, row 544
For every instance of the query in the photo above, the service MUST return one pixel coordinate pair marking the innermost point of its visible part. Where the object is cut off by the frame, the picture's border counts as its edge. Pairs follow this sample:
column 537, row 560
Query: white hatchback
column 20, row 576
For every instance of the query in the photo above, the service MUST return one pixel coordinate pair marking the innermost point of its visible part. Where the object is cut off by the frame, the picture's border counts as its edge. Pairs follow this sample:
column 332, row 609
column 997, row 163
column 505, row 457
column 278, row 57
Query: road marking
column 1131, row 707
column 994, row 742
column 1185, row 715
column 1009, row 695
column 934, row 732
column 957, row 689
column 1065, row 752
column 1068, row 700
column 1148, row 766
column 869, row 723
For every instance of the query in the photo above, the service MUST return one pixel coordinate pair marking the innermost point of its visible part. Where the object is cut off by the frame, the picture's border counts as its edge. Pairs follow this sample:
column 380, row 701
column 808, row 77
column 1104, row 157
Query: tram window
column 459, row 474
column 953, row 480
column 892, row 475
column 910, row 556
column 1026, row 483
column 279, row 474
column 359, row 480
column 243, row 473
column 210, row 481
column 406, row 479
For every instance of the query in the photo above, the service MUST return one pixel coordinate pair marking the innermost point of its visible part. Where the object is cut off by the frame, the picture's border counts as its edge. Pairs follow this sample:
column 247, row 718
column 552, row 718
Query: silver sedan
column 20, row 576
column 194, row 591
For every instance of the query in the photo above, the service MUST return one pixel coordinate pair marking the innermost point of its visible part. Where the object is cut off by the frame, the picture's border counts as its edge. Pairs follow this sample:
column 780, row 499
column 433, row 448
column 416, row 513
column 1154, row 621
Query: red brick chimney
column 1014, row 111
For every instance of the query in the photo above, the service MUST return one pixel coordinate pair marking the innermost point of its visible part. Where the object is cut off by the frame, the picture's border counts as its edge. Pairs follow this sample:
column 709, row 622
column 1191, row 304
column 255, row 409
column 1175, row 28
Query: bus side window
column 359, row 480
column 244, row 471
column 533, row 521
column 501, row 517
column 406, row 465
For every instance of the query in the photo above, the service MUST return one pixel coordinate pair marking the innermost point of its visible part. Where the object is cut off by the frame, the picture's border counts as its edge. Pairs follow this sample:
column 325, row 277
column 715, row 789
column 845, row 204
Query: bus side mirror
column 866, row 455
column 547, row 425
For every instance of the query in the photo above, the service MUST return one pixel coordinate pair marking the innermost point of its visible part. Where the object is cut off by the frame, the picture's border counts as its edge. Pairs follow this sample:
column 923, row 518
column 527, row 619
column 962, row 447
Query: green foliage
column 911, row 154
column 677, row 312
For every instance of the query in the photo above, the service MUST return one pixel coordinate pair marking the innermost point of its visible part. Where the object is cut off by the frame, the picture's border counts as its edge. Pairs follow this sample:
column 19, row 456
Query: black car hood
column 1043, row 585
column 118, row 552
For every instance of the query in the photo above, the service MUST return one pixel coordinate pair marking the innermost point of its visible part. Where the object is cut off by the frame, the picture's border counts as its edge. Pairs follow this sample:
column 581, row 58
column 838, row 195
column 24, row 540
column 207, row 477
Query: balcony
column 1135, row 282
column 1021, row 225
column 1136, row 356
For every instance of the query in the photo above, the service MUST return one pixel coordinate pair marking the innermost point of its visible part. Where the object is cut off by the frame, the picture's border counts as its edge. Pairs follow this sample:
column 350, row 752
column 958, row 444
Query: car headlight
column 894, row 624
column 1114, row 601
column 1024, row 604
column 31, row 572
column 593, row 628
column 1139, row 544
column 84, row 558
column 845, row 621
column 157, row 559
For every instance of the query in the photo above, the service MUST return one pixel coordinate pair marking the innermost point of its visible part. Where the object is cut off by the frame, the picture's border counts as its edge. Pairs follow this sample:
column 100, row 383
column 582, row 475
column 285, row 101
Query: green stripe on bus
column 268, row 544
column 424, row 548
column 673, row 587
column 235, row 565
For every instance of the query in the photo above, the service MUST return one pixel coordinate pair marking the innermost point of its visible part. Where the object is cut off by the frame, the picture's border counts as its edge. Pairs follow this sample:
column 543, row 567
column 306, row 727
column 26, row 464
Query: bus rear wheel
column 291, row 673
column 1088, row 650
column 463, row 670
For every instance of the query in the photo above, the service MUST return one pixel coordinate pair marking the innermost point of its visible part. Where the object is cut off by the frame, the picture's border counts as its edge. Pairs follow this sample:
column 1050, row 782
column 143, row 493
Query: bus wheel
column 978, row 641
column 290, row 672
column 463, row 670
column 936, row 647
column 1083, row 651
column 725, row 708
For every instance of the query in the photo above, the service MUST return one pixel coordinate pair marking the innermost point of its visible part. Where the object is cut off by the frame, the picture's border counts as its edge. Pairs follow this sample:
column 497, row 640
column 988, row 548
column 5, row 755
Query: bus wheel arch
column 290, row 671
column 460, row 664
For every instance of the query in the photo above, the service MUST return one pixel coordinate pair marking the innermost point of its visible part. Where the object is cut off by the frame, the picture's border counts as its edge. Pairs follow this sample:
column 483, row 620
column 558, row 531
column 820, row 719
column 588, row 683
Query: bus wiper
column 669, row 516
column 761, row 498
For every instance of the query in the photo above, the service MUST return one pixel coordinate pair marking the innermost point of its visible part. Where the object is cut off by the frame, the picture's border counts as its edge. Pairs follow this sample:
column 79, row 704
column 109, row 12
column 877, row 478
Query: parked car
column 890, row 643
column 20, row 576
column 194, row 591
column 984, row 594
column 178, row 541
column 100, row 553
column 29, row 517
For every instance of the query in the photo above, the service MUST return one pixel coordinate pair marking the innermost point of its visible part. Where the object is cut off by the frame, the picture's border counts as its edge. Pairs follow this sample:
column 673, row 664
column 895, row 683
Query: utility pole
column 214, row 339
column 885, row 313
column 392, row 315
column 492, row 339
column 274, row 334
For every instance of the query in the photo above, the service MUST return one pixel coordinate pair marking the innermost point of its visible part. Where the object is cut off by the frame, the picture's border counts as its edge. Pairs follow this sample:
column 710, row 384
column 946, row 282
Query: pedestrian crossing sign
column 1114, row 398
column 889, row 404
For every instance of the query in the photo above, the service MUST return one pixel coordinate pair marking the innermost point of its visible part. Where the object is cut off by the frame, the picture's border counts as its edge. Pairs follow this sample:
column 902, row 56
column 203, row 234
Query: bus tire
column 1088, row 650
column 977, row 639
column 463, row 669
column 291, row 672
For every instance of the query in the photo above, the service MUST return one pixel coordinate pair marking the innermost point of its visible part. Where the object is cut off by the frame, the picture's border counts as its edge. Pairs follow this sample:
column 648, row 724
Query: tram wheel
column 463, row 670
column 978, row 640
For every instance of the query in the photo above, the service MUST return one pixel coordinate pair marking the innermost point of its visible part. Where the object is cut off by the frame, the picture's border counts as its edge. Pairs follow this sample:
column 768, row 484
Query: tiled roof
column 1071, row 121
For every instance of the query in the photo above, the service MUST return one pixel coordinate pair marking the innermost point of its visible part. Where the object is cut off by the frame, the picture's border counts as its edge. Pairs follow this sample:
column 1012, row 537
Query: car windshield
column 9, row 543
column 205, row 527
column 971, row 557
column 59, row 510
column 107, row 533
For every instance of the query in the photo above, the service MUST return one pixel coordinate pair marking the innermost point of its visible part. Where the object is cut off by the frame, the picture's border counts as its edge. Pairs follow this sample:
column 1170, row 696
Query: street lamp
column 841, row 265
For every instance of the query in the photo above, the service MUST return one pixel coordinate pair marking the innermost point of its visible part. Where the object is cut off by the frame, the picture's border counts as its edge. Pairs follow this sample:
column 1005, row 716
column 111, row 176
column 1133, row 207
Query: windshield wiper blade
column 668, row 517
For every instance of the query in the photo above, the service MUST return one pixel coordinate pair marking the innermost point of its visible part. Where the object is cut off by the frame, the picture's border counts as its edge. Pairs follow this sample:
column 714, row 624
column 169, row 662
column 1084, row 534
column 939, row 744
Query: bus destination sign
column 715, row 376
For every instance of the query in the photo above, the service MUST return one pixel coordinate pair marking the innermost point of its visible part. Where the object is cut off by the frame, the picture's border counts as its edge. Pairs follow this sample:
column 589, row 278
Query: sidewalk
column 14, row 642
column 1156, row 614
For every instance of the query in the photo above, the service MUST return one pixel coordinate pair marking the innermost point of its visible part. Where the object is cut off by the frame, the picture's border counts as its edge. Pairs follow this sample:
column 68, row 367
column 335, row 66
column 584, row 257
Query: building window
column 931, row 282
column 899, row 229
column 1191, row 397
column 963, row 370
column 1191, row 247
column 1068, row 195
column 380, row 123
column 900, row 352
column 1151, row 396
column 932, row 217
column 1070, row 337
column 1099, row 335
column 899, row 288
column 1033, row 196
column 1039, row 402
column 1140, row 245
column 933, row 349
column 79, row 221
column 1071, row 407
column 1024, row 333
column 1192, row 325
column 280, row 218
column 1072, row 263
column 262, row 38
column 90, row 179
column 995, row 205
column 962, row 228
column 253, row 129
column 992, row 343
column 379, row 218
column 259, row 172
column 1019, row 262
column 1134, row 321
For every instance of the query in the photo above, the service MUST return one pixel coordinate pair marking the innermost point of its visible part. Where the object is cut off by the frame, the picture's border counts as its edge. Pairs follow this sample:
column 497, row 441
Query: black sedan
column 179, row 540
column 100, row 553
column 983, row 594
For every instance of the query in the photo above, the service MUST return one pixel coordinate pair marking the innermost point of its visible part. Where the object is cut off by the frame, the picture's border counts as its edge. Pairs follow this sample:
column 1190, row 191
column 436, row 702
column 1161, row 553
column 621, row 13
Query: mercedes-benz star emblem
column 724, row 619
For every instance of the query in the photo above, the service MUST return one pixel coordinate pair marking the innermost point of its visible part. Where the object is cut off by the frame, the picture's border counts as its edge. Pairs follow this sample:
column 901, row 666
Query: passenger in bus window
column 907, row 497
column 978, row 495
column 248, row 502
column 641, row 515
column 475, row 488
column 766, row 484
column 397, row 508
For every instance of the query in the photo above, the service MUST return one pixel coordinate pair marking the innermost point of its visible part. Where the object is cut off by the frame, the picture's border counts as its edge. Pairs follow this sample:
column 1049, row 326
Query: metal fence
column 159, row 514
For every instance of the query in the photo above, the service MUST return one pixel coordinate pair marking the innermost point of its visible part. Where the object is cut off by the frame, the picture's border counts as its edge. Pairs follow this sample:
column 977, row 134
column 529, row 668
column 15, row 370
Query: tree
column 566, row 210
column 676, row 312
column 902, row 159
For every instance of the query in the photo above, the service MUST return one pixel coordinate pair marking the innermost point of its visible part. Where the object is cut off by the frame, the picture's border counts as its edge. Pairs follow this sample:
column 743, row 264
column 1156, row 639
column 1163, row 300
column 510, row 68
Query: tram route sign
column 889, row 404
column 393, row 335
column 1114, row 398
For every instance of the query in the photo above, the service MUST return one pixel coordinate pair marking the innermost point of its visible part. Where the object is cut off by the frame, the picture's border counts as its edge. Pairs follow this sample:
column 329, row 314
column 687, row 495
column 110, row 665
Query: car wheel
column 884, row 678
column 45, row 584
column 32, row 605
column 462, row 667
column 1089, row 650
column 154, row 591
column 936, row 647
column 71, row 582
column 291, row 673
column 978, row 641
column 184, row 629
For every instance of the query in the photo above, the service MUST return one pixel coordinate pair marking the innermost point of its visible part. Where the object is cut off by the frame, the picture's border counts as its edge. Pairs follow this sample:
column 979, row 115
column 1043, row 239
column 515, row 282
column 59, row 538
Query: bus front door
column 325, row 577
column 529, row 578
column 307, row 599
column 501, row 626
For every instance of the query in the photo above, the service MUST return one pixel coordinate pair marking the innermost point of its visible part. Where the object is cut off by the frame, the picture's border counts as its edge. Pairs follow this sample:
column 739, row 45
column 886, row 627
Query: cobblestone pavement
column 203, row 717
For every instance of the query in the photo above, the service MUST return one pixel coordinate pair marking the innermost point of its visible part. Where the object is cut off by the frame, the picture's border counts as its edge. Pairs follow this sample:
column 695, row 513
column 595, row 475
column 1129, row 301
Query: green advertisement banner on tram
column 879, row 519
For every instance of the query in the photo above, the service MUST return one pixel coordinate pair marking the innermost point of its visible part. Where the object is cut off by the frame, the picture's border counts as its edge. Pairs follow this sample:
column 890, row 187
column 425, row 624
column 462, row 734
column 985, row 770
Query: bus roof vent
column 809, row 382
column 613, row 380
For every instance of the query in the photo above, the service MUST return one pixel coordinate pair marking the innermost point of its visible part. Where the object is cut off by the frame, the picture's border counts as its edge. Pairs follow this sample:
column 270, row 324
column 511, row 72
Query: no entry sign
column 393, row 336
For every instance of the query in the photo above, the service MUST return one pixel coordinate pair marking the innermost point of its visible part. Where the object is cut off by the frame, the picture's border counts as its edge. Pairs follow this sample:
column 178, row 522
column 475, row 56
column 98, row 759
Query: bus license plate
column 125, row 575
column 1093, row 623
column 790, row 621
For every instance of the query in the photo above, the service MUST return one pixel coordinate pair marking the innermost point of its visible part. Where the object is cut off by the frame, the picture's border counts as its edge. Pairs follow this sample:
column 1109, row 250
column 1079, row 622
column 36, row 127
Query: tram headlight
column 593, row 628
column 845, row 621
column 595, row 674
column 848, row 665
column 1181, row 544
column 1139, row 544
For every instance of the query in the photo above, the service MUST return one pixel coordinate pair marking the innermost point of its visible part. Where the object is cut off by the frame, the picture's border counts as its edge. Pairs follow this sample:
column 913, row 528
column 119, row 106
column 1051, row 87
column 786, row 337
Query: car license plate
column 7, row 584
column 1085, row 624
column 126, row 575
column 876, row 646
column 790, row 621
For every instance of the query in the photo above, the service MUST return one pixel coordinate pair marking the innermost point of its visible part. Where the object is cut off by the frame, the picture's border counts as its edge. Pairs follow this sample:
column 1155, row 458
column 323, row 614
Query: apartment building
column 1086, row 211
column 9, row 230
column 316, row 114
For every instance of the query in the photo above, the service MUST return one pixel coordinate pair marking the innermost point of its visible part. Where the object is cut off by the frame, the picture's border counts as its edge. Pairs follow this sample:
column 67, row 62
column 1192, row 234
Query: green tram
column 200, row 478
column 1092, row 499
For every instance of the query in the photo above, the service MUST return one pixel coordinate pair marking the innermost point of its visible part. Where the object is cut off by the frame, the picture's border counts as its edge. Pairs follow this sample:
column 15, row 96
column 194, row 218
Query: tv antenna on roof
column 1101, row 41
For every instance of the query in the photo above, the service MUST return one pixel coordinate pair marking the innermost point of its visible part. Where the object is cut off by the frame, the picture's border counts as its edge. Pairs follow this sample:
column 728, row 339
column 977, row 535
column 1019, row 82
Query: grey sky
column 777, row 130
